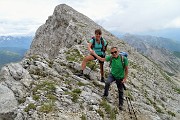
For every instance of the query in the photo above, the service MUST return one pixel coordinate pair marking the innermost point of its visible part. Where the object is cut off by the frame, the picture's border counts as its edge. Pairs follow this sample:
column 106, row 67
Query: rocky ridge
column 43, row 85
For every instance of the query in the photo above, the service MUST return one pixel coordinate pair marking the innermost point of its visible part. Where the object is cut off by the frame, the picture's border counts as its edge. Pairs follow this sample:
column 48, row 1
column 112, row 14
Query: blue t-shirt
column 97, row 47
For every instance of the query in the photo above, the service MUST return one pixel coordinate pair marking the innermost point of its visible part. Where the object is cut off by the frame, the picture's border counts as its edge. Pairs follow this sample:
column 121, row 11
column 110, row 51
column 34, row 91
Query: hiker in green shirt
column 118, row 72
column 98, row 45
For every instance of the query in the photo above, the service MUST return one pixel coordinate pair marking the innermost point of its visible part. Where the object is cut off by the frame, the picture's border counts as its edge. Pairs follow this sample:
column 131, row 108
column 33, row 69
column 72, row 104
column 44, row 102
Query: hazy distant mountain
column 10, row 54
column 13, row 48
column 172, row 33
column 159, row 42
column 161, row 50
column 16, row 41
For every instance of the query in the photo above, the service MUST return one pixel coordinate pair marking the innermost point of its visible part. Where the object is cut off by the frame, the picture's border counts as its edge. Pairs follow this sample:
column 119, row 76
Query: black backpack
column 104, row 47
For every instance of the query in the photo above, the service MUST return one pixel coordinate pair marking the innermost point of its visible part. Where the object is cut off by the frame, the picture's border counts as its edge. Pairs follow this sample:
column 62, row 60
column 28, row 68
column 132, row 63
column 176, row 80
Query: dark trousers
column 119, row 86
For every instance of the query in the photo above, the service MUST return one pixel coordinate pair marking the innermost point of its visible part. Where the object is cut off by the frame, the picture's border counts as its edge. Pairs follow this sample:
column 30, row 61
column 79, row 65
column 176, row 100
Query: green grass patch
column 38, row 72
column 36, row 97
column 47, row 107
column 171, row 113
column 170, row 74
column 98, row 85
column 75, row 97
column 81, row 84
column 176, row 90
column 21, row 100
column 92, row 65
column 30, row 106
column 155, row 106
column 48, row 89
column 78, row 91
column 51, row 97
column 74, row 55
column 111, row 112
column 83, row 117
column 100, row 112
column 47, row 86
column 74, row 94
column 165, row 76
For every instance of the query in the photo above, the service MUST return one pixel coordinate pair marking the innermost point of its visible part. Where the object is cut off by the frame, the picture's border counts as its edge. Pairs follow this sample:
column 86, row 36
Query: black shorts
column 99, row 60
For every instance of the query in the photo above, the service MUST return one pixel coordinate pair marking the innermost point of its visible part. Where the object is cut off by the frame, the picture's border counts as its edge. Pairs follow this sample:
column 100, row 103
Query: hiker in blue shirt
column 98, row 45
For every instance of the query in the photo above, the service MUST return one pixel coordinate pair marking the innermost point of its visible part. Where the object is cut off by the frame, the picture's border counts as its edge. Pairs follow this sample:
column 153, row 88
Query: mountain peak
column 65, row 28
column 43, row 85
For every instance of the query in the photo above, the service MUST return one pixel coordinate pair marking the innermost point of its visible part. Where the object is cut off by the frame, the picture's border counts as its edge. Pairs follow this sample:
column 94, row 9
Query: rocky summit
column 43, row 85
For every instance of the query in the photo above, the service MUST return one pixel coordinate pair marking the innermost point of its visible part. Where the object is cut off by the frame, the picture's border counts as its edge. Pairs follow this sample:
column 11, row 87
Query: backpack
column 122, row 55
column 104, row 48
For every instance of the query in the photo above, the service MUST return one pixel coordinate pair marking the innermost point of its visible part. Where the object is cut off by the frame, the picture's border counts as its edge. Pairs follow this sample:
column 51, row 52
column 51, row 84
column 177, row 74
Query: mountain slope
column 43, row 85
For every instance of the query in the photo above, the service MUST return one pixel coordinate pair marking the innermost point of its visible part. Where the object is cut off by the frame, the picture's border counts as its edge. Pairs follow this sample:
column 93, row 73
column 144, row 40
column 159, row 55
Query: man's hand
column 98, row 57
column 124, row 80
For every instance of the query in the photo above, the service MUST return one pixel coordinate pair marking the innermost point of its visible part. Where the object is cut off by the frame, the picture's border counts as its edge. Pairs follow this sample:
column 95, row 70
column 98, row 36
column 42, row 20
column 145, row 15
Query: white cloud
column 24, row 16
column 95, row 9
column 133, row 16
column 20, row 27
column 175, row 23
column 141, row 15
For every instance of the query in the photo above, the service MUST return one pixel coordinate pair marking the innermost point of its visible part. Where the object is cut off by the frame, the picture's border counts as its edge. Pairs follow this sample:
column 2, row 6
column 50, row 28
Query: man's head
column 98, row 33
column 114, row 51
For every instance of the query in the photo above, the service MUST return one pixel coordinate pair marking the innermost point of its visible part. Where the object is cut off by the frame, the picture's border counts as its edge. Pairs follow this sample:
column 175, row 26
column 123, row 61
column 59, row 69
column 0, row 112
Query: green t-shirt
column 117, row 69
column 97, row 47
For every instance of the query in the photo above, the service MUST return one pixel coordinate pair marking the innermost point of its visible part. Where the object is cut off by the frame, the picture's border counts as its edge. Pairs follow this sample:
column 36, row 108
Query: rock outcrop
column 43, row 85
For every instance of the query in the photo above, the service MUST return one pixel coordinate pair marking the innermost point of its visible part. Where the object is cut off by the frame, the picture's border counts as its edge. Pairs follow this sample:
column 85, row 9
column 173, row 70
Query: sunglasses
column 97, row 34
column 114, row 52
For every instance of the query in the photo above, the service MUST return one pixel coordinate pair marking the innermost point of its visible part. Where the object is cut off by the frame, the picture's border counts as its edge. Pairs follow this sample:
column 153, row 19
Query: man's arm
column 126, row 74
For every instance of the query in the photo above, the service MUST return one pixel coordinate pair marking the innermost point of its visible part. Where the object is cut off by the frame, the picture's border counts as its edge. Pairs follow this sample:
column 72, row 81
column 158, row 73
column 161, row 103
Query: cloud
column 175, row 23
column 20, row 27
column 140, row 15
column 22, row 16
column 119, row 15
column 95, row 9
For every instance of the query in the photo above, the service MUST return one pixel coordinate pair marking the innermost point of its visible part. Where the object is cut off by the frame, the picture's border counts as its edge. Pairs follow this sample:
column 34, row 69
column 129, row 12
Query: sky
column 23, row 17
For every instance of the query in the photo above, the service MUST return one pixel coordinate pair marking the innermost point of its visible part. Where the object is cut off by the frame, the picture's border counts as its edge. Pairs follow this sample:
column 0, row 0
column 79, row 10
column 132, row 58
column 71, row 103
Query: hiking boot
column 80, row 74
column 102, row 79
column 121, row 108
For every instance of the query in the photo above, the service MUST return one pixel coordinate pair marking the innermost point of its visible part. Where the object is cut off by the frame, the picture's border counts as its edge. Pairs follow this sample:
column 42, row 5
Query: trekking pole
column 130, row 104
column 133, row 109
column 129, row 107
column 127, row 101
